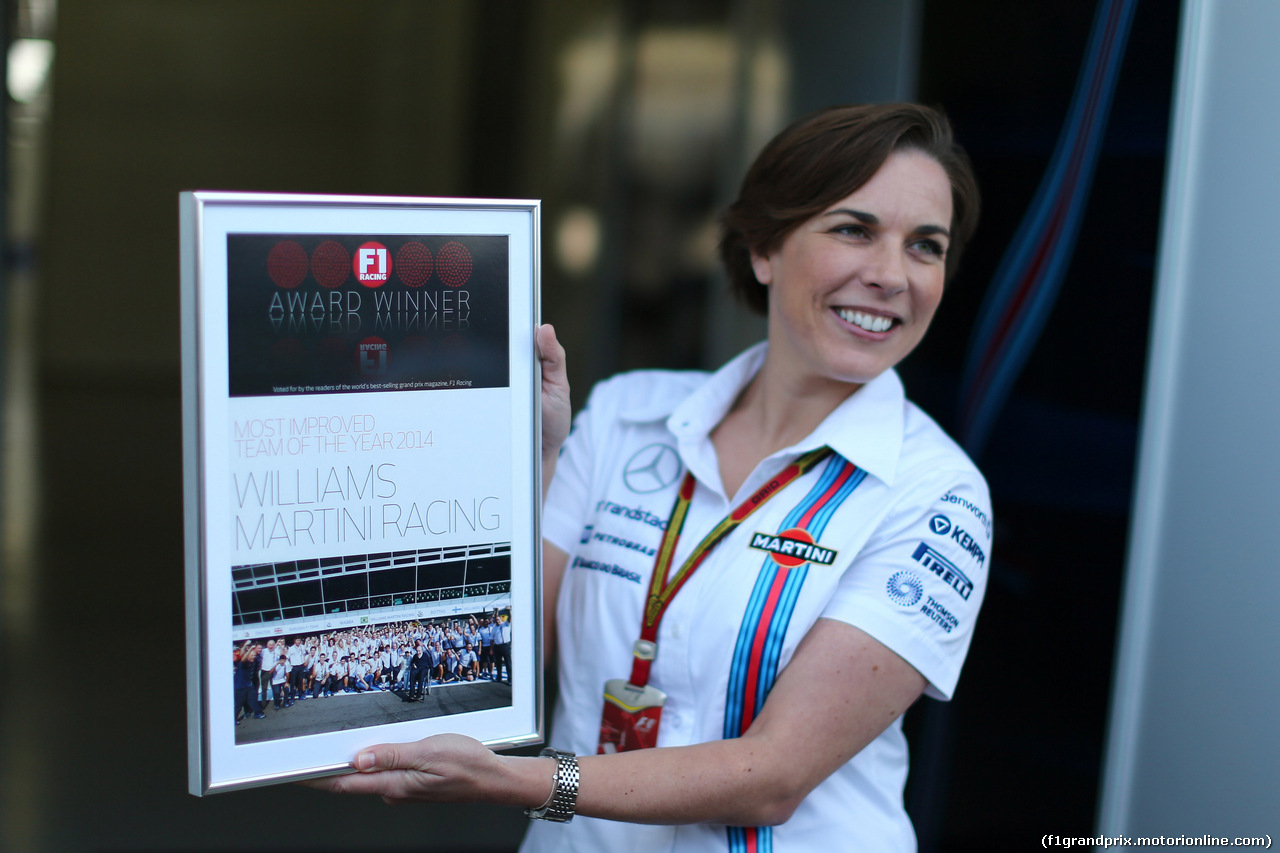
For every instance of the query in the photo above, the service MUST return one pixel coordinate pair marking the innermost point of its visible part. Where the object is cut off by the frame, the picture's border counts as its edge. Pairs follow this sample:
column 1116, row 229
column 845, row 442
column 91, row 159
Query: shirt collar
column 866, row 429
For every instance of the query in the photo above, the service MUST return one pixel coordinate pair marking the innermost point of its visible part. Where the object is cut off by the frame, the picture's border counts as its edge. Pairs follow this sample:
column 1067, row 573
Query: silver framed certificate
column 361, row 478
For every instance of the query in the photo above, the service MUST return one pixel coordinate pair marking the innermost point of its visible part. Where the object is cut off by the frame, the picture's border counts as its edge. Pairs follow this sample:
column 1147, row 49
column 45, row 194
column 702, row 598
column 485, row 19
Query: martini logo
column 372, row 264
column 792, row 548
column 372, row 357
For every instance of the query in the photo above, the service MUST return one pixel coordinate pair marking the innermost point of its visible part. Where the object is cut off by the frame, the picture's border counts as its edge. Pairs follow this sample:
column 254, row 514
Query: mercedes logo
column 652, row 469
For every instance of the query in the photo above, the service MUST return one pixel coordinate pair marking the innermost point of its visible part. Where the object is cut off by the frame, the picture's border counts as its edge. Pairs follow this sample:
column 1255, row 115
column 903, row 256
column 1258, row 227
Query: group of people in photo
column 404, row 657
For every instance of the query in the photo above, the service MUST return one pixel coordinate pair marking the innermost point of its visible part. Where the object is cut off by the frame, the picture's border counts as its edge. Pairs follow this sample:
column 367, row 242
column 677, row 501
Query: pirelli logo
column 792, row 548
column 943, row 568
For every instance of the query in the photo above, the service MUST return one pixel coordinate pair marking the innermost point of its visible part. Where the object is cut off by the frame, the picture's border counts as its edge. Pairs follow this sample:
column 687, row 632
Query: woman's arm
column 554, row 562
column 839, row 692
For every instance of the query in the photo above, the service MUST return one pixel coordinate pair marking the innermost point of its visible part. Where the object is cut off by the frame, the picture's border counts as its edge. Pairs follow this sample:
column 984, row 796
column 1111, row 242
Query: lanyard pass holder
column 632, row 706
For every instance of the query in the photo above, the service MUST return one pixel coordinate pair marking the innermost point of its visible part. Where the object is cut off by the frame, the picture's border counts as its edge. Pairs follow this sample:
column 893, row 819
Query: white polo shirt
column 895, row 532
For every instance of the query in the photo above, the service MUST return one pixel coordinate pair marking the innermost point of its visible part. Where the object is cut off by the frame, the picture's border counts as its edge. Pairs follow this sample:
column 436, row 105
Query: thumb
column 381, row 757
column 552, row 354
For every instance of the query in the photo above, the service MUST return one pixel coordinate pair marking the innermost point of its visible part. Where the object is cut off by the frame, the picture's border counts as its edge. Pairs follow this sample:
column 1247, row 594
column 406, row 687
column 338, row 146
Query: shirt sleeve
column 918, row 583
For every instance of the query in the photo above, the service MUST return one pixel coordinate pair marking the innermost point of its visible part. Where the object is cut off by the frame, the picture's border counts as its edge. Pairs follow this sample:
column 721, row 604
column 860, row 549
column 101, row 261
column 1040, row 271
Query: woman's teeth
column 870, row 322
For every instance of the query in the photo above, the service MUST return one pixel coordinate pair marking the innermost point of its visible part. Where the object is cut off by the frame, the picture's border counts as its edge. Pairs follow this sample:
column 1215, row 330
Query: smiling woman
column 853, row 290
column 799, row 593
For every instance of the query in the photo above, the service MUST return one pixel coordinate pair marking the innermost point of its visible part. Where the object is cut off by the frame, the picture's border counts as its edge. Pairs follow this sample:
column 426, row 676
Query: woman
column 789, row 653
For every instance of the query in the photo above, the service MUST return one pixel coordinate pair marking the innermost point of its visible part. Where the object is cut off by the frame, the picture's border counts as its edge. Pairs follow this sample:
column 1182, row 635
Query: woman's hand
column 443, row 769
column 556, row 411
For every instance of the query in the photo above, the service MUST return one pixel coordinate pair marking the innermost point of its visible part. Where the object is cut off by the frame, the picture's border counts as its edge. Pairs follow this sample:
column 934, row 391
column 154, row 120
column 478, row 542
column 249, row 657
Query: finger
column 387, row 785
column 552, row 355
column 390, row 756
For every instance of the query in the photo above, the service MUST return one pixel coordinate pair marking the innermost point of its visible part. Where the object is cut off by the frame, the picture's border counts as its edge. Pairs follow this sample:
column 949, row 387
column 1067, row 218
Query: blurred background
column 633, row 121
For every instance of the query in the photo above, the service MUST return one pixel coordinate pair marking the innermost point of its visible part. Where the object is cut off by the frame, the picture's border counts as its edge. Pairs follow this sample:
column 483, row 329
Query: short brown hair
column 822, row 158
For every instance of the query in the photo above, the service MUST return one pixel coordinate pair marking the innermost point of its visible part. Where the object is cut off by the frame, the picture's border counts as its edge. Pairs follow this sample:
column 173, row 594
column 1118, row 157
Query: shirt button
column 674, row 719
column 675, row 631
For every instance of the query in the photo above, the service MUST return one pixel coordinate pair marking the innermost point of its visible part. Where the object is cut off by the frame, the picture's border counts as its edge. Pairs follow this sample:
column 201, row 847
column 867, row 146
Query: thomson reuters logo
column 372, row 264
column 792, row 548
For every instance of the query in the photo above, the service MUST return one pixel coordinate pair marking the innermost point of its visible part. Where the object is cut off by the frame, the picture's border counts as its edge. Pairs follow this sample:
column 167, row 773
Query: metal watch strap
column 560, row 806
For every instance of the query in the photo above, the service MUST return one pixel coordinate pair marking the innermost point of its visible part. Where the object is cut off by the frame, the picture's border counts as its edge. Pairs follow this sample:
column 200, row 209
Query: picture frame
column 361, row 469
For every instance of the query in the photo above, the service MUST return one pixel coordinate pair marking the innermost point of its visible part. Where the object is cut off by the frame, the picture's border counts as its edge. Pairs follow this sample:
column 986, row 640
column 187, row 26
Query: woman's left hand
column 445, row 768
column 556, row 412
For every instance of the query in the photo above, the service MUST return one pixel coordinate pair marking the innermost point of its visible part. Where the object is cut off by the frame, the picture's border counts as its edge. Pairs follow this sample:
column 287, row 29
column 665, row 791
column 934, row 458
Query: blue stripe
column 995, row 358
column 774, row 641
column 790, row 594
column 742, row 649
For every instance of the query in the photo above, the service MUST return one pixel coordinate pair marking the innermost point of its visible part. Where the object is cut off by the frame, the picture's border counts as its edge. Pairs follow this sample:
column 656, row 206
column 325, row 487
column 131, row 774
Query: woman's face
column 855, row 287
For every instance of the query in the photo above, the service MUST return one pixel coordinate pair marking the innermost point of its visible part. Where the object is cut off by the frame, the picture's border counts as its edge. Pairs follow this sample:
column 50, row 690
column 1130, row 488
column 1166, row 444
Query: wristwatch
column 560, row 806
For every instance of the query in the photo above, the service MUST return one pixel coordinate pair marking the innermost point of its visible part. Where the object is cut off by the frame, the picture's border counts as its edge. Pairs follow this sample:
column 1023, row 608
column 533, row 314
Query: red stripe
column 757, row 649
column 826, row 496
column 1087, row 129
column 750, row 837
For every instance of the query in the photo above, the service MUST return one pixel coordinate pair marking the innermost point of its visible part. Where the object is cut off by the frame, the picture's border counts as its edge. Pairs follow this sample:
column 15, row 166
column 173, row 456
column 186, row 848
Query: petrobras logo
column 942, row 526
column 792, row 548
column 904, row 588
column 371, row 264
column 943, row 568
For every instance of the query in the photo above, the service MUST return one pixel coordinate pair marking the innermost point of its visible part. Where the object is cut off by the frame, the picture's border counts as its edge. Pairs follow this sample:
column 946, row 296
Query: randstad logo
column 371, row 264
column 792, row 548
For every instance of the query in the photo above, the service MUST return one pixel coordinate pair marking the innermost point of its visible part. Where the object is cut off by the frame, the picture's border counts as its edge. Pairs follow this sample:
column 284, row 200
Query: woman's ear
column 762, row 267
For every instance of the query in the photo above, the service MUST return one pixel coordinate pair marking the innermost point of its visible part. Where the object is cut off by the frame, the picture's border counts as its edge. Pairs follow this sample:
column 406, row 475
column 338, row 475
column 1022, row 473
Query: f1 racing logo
column 372, row 264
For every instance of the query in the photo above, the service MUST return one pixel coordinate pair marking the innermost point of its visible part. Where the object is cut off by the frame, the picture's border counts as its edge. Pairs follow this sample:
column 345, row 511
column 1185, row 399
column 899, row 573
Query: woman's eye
column 850, row 230
column 931, row 247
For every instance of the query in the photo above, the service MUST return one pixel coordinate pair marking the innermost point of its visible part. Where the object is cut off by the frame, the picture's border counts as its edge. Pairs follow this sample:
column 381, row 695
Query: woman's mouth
column 863, row 320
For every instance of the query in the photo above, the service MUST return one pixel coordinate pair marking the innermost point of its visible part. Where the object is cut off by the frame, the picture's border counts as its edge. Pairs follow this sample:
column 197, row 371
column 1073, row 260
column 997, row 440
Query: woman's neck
column 774, row 411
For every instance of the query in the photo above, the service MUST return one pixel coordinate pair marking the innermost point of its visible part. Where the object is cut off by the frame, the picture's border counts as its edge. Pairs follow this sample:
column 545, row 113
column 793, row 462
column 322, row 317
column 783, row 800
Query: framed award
column 361, row 478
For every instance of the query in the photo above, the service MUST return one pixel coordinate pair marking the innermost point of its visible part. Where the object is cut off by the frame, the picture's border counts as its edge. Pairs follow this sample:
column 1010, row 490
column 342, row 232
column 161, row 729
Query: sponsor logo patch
column 651, row 469
column 905, row 588
column 977, row 513
column 792, row 548
column 607, row 568
column 620, row 542
column 943, row 568
column 939, row 614
column 634, row 513
column 942, row 526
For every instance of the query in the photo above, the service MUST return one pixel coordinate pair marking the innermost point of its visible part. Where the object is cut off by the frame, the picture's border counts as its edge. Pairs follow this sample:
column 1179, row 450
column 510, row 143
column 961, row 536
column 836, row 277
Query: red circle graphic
column 413, row 264
column 453, row 264
column 788, row 560
column 287, row 264
column 330, row 263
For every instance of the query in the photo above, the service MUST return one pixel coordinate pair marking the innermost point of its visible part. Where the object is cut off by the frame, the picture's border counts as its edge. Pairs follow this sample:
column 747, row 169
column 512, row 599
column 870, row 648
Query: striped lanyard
column 662, row 590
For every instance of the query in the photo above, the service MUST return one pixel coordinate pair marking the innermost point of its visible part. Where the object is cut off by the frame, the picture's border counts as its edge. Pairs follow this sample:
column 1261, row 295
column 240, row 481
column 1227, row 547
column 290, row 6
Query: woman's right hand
column 445, row 768
column 556, row 411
